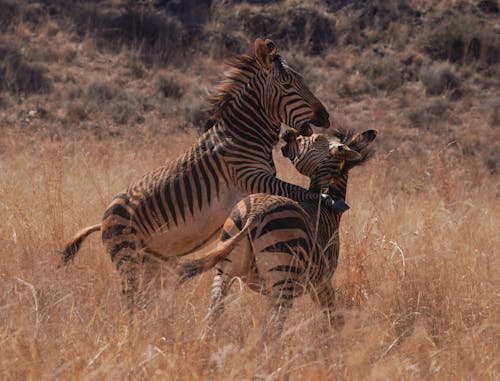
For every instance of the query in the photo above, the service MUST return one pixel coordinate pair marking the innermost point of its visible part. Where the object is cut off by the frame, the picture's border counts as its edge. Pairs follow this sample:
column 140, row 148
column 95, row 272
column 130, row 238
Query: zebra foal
column 178, row 207
column 281, row 247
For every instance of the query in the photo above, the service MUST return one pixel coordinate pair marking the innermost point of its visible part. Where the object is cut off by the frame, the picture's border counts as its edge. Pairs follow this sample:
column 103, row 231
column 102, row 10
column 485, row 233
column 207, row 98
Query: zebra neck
column 245, row 117
column 329, row 222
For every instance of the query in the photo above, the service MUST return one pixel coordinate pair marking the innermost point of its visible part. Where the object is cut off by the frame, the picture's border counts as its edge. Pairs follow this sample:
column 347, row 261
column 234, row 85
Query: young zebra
column 280, row 247
column 180, row 206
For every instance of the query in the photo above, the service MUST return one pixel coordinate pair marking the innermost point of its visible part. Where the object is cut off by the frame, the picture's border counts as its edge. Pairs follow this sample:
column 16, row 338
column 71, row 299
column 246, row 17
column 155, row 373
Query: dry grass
column 418, row 273
column 417, row 280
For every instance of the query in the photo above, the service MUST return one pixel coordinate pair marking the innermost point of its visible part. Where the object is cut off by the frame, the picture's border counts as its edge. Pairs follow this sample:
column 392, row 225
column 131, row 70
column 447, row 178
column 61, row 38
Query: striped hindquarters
column 120, row 226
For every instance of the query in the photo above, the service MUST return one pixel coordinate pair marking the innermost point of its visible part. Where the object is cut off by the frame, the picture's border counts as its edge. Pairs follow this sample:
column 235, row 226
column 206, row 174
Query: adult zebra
column 178, row 207
column 280, row 247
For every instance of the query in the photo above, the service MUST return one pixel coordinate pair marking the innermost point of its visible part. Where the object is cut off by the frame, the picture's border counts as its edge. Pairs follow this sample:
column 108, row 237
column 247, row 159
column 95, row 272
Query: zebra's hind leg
column 155, row 272
column 126, row 256
column 325, row 297
column 274, row 327
column 129, row 273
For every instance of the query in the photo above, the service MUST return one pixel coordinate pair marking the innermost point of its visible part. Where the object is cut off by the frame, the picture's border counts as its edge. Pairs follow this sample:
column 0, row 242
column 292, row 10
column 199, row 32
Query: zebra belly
column 196, row 230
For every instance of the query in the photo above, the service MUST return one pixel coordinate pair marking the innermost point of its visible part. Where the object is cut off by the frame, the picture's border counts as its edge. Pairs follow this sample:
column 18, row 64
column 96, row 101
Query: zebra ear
column 369, row 135
column 361, row 141
column 347, row 153
column 264, row 52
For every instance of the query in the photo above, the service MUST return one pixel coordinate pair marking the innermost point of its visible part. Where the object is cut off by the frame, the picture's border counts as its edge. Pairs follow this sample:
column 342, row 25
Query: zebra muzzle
column 305, row 130
column 340, row 206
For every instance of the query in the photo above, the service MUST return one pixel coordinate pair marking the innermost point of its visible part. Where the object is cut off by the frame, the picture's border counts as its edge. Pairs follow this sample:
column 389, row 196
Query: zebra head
column 284, row 96
column 325, row 159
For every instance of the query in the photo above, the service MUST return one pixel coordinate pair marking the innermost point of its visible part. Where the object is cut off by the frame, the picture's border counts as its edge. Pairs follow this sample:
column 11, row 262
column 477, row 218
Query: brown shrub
column 495, row 113
column 460, row 38
column 9, row 11
column 197, row 116
column 429, row 113
column 168, row 87
column 76, row 112
column 125, row 108
column 492, row 160
column 18, row 75
column 99, row 91
column 438, row 78
column 305, row 28
column 381, row 70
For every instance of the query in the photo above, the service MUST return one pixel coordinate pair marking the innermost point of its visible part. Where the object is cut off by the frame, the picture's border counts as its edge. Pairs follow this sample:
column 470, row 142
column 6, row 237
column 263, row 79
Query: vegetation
column 94, row 94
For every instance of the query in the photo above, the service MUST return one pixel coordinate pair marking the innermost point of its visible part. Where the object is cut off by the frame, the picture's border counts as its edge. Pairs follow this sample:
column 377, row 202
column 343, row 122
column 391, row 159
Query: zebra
column 178, row 207
column 280, row 247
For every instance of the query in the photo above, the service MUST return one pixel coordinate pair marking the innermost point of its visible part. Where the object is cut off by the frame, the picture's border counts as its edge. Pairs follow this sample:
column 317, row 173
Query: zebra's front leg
column 325, row 297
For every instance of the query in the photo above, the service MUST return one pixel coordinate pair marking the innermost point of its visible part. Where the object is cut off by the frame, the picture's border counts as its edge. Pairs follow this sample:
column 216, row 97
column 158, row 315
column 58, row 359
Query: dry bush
column 460, row 38
column 125, row 109
column 382, row 13
column 438, row 78
column 363, row 23
column 18, row 75
column 489, row 6
column 168, row 87
column 495, row 112
column 416, row 278
column 354, row 86
column 197, row 115
column 99, row 91
column 492, row 160
column 76, row 111
column 381, row 70
column 429, row 113
column 302, row 28
column 9, row 12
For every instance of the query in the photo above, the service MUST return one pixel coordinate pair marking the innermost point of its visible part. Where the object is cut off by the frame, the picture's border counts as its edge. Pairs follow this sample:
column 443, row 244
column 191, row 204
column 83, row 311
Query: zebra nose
column 321, row 117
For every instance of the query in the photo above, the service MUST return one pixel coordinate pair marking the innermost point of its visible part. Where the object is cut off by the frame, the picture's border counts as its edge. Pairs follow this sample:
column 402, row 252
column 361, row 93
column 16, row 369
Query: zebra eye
column 287, row 85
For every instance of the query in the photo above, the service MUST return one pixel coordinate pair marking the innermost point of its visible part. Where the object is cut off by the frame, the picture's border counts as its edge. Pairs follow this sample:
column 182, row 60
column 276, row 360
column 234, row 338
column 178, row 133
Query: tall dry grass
column 417, row 278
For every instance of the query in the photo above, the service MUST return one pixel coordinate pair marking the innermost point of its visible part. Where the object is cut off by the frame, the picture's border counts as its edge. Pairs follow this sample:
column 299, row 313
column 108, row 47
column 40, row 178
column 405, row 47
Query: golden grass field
column 417, row 278
column 83, row 113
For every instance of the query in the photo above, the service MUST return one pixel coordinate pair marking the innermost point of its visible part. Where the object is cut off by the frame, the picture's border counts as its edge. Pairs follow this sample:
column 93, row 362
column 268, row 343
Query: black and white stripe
column 283, row 247
column 178, row 207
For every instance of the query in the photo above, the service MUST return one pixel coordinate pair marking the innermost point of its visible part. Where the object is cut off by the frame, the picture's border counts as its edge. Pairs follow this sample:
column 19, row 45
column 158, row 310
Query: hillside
column 422, row 70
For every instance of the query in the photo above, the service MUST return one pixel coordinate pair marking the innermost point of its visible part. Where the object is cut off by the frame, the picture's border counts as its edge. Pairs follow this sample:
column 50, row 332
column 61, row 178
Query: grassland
column 418, row 277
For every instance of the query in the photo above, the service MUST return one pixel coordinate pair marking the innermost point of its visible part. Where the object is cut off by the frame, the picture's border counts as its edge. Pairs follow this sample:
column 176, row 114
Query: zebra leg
column 325, row 297
column 129, row 272
column 149, row 282
column 272, row 331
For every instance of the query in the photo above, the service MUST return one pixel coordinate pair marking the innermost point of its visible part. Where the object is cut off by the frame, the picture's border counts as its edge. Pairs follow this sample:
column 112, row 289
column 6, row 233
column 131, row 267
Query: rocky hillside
column 426, row 73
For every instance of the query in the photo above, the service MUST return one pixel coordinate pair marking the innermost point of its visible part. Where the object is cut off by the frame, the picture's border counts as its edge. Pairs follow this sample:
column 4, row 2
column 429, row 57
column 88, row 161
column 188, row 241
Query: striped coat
column 180, row 206
column 281, row 247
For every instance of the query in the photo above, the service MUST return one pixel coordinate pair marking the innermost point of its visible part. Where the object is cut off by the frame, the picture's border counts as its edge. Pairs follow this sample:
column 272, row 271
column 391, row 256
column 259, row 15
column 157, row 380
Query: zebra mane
column 241, row 69
column 346, row 136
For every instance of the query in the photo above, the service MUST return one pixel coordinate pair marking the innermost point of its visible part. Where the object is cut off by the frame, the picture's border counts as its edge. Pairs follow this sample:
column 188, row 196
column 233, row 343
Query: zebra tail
column 191, row 269
column 72, row 247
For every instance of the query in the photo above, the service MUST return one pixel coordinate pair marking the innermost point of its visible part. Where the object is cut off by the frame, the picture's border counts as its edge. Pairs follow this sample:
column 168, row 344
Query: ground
column 91, row 97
